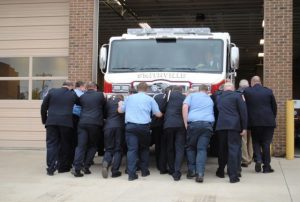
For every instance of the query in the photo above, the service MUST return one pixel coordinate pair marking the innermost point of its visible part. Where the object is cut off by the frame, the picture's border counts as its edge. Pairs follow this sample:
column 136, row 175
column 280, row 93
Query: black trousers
column 156, row 135
column 261, row 140
column 59, row 147
column 87, row 145
column 113, row 142
column 75, row 135
column 175, row 148
column 229, row 151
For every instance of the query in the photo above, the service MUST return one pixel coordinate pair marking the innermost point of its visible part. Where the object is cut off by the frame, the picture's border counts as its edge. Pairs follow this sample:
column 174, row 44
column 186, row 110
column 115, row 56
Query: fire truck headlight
column 120, row 88
column 195, row 87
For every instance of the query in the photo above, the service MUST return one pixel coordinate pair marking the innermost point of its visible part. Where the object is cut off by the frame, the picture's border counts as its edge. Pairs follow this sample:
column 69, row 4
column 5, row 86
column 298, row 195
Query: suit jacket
column 161, row 100
column 57, row 107
column 262, row 107
column 173, row 115
column 232, row 111
column 113, row 117
column 92, row 103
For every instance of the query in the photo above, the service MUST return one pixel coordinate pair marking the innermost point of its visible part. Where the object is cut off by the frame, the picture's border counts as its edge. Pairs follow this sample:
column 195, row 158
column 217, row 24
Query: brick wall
column 81, row 40
column 278, row 49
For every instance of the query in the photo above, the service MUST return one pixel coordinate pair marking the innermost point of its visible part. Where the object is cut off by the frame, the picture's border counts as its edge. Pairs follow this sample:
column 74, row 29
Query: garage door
column 34, row 41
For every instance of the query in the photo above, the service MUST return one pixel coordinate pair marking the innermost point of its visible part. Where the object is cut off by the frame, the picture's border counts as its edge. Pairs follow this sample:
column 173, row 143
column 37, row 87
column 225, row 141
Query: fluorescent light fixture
column 118, row 2
column 261, row 55
column 262, row 42
column 263, row 23
column 144, row 25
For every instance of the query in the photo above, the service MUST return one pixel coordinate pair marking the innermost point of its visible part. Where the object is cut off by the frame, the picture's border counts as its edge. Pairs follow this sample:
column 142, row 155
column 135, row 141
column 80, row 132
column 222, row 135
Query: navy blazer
column 173, row 115
column 92, row 103
column 113, row 118
column 232, row 111
column 161, row 100
column 262, row 107
column 57, row 107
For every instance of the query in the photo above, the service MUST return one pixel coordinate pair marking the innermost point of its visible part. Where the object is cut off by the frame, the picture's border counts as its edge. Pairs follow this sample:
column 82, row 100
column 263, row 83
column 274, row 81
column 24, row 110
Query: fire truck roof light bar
column 175, row 31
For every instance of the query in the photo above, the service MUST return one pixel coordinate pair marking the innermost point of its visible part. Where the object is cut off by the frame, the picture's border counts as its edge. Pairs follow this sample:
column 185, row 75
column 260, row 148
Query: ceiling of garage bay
column 241, row 18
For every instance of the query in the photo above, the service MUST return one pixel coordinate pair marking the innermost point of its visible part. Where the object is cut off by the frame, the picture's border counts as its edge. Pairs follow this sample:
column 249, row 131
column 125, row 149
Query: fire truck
column 186, row 57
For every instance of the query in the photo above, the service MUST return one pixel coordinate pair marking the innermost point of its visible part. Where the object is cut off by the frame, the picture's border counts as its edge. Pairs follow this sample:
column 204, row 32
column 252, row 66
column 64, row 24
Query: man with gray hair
column 198, row 117
column 247, row 150
column 231, row 124
column 89, row 126
column 56, row 113
column 262, row 110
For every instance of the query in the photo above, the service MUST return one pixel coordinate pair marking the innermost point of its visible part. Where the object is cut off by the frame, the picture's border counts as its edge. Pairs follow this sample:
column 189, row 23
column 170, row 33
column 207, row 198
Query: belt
column 200, row 122
column 141, row 124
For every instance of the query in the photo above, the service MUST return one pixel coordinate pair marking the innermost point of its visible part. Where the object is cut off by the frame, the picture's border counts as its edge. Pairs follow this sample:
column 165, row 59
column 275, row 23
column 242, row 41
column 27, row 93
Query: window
column 30, row 78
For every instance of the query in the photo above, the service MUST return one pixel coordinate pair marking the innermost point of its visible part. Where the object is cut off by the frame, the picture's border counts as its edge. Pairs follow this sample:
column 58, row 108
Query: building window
column 30, row 78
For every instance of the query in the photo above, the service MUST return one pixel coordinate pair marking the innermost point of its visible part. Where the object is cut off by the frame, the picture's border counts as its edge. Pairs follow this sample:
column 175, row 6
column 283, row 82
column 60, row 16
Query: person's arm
column 242, row 107
column 155, row 109
column 185, row 111
column 274, row 104
column 44, row 108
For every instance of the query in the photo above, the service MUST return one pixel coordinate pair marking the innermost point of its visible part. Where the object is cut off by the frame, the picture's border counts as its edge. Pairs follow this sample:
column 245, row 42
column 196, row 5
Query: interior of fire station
column 244, row 21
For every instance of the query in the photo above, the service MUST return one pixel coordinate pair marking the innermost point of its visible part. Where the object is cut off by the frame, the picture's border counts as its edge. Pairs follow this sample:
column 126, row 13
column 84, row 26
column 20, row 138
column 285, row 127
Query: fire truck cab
column 162, row 57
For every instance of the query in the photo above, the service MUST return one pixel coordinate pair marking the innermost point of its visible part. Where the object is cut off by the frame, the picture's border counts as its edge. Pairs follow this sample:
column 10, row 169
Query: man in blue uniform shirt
column 198, row 116
column 138, row 109
column 262, row 109
column 231, row 124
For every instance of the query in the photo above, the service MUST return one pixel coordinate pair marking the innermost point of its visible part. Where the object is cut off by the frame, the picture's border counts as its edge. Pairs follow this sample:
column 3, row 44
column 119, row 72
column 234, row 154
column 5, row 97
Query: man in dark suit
column 157, row 135
column 90, row 122
column 56, row 113
column 175, row 132
column 262, row 109
column 113, row 137
column 231, row 124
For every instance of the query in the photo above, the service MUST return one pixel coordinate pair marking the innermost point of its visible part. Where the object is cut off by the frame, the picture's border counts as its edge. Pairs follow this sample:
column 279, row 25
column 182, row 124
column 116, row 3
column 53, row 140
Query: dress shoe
column 86, row 171
column 220, row 173
column 116, row 174
column 145, row 173
column 199, row 179
column 50, row 172
column 64, row 170
column 234, row 180
column 176, row 176
column 190, row 175
column 239, row 174
column 77, row 173
column 163, row 172
column 245, row 165
column 257, row 167
column 104, row 169
column 268, row 170
column 134, row 177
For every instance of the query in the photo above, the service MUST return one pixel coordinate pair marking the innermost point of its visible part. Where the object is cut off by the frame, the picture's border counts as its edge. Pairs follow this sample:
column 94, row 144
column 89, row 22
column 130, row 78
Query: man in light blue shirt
column 198, row 116
column 138, row 109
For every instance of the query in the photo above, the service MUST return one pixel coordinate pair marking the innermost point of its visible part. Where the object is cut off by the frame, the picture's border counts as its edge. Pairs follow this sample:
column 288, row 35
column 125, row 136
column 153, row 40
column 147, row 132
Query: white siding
column 29, row 28
column 34, row 28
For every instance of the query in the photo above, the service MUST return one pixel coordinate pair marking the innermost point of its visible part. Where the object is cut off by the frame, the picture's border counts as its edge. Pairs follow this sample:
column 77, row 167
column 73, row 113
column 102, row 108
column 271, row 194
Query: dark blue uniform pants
column 229, row 151
column 87, row 145
column 113, row 138
column 59, row 147
column 138, row 142
column 261, row 139
column 175, row 149
column 198, row 137
column 156, row 135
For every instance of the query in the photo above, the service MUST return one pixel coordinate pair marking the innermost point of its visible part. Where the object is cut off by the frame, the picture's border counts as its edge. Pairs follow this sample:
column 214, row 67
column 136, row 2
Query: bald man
column 262, row 109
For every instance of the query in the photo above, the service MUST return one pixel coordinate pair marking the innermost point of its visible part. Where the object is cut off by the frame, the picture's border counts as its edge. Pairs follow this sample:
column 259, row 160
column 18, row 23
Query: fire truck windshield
column 166, row 55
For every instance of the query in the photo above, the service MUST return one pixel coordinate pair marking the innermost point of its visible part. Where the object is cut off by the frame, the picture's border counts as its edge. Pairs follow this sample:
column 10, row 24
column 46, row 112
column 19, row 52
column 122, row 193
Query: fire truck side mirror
column 234, row 57
column 103, row 58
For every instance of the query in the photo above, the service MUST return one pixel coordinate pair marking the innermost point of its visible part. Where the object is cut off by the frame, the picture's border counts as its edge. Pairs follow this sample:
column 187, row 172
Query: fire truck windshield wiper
column 185, row 68
column 125, row 68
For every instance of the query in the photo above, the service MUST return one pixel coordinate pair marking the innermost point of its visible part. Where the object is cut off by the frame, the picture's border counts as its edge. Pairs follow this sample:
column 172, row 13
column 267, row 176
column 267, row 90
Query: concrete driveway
column 23, row 178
